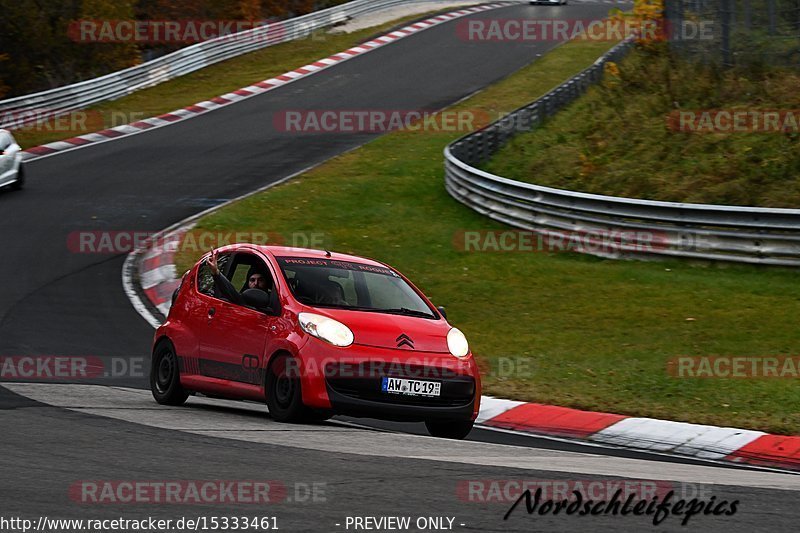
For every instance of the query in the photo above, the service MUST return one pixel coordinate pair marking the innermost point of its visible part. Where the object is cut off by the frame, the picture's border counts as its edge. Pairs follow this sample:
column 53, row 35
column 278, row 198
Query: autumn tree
column 101, row 58
column 42, row 52
column 3, row 87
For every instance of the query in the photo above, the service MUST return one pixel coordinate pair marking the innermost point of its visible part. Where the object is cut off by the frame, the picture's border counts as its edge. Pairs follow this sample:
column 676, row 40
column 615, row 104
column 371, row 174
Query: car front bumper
column 348, row 381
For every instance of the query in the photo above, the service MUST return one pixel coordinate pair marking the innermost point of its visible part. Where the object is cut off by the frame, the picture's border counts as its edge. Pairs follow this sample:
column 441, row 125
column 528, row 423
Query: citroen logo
column 404, row 340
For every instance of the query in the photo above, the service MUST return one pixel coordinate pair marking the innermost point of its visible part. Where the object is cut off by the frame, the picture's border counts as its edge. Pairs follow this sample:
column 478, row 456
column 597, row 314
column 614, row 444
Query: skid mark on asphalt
column 236, row 420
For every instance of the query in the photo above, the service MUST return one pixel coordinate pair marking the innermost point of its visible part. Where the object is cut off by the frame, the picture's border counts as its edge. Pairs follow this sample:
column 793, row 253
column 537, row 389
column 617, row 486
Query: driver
column 256, row 279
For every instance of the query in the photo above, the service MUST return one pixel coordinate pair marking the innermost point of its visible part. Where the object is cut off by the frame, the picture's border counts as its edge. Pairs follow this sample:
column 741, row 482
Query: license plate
column 411, row 387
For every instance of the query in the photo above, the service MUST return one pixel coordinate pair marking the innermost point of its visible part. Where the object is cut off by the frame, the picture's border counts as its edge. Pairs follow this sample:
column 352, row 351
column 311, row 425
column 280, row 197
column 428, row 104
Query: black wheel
column 284, row 398
column 449, row 429
column 20, row 183
column 165, row 376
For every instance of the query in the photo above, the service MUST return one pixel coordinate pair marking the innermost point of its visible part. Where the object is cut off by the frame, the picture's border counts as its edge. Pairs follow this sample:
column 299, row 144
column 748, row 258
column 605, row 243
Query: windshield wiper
column 409, row 312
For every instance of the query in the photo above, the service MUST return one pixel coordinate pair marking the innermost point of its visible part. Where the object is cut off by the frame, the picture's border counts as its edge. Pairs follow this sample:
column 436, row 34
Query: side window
column 205, row 280
column 239, row 277
column 250, row 272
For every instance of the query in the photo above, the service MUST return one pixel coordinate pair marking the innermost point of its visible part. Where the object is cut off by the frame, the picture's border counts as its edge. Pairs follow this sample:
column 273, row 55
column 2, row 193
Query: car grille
column 365, row 384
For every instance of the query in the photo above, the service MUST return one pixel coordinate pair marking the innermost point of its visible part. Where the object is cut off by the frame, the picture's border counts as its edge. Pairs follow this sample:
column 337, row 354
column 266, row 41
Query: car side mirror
column 258, row 300
column 442, row 311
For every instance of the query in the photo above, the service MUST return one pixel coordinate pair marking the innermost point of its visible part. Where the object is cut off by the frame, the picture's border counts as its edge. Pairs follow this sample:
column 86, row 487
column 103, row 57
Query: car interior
column 239, row 270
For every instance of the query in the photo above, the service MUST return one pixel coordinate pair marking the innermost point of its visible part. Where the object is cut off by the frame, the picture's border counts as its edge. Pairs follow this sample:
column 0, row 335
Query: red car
column 314, row 334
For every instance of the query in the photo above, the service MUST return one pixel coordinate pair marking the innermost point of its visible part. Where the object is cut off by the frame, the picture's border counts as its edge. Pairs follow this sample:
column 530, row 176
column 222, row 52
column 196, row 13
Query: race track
column 56, row 302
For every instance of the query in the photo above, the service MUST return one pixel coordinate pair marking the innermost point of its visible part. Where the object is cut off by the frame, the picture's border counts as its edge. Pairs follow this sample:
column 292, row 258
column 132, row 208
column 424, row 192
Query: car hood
column 398, row 332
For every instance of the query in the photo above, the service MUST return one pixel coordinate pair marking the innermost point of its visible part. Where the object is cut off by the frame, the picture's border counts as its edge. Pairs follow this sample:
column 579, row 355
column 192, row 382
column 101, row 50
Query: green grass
column 209, row 82
column 615, row 140
column 596, row 334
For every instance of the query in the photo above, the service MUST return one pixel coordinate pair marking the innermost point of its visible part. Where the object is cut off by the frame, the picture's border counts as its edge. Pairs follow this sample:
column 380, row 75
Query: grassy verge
column 595, row 334
column 615, row 140
column 206, row 83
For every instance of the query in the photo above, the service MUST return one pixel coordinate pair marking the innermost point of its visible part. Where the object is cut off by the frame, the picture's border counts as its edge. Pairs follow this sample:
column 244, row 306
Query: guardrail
column 80, row 95
column 611, row 226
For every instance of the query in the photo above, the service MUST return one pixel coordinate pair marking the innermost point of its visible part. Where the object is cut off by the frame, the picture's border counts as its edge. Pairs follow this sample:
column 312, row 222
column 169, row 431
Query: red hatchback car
column 314, row 334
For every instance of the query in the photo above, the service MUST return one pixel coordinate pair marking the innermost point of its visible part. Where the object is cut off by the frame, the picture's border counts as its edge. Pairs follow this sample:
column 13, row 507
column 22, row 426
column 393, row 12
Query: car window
column 386, row 293
column 347, row 282
column 205, row 280
column 349, row 285
column 244, row 266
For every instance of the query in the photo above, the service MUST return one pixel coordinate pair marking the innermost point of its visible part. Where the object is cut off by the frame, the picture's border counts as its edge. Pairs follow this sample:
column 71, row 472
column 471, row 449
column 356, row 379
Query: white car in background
column 11, row 170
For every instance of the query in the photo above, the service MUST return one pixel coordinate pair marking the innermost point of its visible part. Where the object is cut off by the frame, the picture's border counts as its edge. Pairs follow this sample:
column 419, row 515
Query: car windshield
column 349, row 285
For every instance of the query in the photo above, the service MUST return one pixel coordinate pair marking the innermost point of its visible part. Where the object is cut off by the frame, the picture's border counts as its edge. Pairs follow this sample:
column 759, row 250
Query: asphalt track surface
column 55, row 302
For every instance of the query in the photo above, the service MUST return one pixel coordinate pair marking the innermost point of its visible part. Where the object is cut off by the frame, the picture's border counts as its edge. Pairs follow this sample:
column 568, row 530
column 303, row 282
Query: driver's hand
column 212, row 263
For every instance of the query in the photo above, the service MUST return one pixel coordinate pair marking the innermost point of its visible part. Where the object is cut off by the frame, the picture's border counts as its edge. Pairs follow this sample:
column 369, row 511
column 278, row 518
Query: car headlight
column 326, row 329
column 457, row 343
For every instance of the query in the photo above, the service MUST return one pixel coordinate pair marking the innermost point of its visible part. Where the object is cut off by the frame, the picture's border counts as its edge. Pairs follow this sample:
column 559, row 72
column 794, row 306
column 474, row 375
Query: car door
column 236, row 338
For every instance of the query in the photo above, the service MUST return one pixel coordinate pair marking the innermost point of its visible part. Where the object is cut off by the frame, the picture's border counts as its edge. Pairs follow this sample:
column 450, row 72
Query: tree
column 100, row 58
column 3, row 87
column 45, row 54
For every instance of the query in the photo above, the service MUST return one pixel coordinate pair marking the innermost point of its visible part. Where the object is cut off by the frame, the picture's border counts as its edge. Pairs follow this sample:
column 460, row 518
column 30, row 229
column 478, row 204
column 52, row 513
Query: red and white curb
column 158, row 276
column 649, row 434
column 252, row 90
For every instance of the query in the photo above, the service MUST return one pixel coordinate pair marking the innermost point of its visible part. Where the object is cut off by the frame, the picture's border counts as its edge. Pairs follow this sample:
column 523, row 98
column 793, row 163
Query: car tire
column 165, row 376
column 20, row 183
column 449, row 429
column 284, row 396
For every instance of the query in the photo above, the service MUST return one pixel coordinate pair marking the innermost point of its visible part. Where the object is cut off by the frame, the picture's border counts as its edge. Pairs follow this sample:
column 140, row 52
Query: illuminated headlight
column 326, row 329
column 457, row 343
